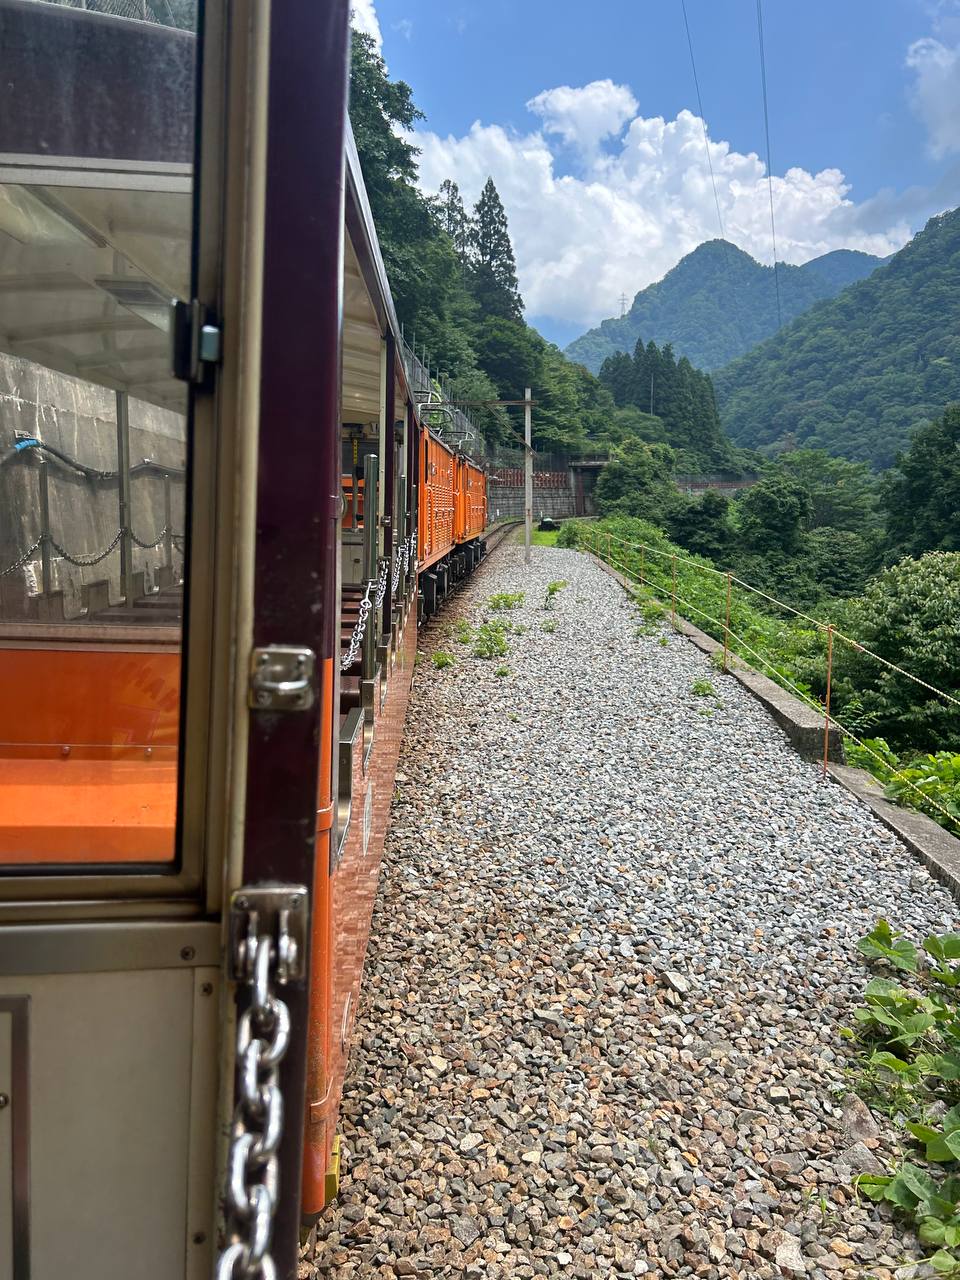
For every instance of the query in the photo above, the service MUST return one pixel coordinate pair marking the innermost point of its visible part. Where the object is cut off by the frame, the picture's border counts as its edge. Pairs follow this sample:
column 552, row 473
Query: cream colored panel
column 111, row 1060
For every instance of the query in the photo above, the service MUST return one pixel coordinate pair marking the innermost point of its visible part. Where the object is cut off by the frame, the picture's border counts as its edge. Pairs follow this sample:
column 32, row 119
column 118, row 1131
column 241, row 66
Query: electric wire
column 766, row 129
column 703, row 122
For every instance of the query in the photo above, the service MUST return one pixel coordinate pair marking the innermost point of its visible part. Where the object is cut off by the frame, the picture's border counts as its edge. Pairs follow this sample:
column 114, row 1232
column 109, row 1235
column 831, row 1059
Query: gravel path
column 613, row 946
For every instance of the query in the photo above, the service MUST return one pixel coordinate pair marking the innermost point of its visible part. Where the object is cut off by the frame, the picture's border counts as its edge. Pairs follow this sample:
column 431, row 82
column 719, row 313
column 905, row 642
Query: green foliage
column 490, row 640
column 921, row 494
column 553, row 589
column 702, row 688
column 717, row 303
column 703, row 526
column 772, row 516
column 653, row 382
column 492, row 263
column 637, row 481
column 908, row 1063
column 930, row 783
column 463, row 632
column 859, row 374
column 567, row 536
column 548, row 625
column 442, row 659
column 504, row 600
column 843, row 495
column 910, row 616
column 502, row 671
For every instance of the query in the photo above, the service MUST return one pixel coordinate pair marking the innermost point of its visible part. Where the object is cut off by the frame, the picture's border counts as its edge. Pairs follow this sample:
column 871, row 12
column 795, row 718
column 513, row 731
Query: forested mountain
column 857, row 375
column 718, row 302
column 679, row 399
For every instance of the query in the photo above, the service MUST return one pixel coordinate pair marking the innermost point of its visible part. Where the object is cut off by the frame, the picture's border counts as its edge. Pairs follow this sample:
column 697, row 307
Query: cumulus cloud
column 363, row 16
column 936, row 92
column 584, row 117
column 636, row 206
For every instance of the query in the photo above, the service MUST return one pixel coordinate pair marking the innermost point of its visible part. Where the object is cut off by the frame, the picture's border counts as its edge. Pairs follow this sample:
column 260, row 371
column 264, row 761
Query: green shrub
column 505, row 600
column 703, row 689
column 490, row 640
column 553, row 589
column 568, row 535
column 549, row 625
column 502, row 671
column 442, row 659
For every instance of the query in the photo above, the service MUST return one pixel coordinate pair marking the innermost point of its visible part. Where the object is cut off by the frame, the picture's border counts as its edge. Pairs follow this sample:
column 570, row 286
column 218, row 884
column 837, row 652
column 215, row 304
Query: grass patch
column 505, row 600
column 443, row 659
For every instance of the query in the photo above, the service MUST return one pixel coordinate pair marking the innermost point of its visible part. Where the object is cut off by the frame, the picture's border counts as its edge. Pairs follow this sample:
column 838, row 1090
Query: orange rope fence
column 822, row 709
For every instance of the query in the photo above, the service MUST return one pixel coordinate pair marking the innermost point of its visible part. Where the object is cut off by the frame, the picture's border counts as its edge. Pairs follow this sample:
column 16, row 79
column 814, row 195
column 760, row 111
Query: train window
column 96, row 148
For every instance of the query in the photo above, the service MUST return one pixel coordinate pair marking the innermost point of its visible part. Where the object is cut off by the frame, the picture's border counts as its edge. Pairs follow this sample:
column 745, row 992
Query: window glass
column 96, row 145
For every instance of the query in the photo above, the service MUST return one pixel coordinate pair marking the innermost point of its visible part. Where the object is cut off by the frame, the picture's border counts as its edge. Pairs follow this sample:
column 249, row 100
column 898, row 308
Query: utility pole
column 651, row 394
column 623, row 305
column 527, row 478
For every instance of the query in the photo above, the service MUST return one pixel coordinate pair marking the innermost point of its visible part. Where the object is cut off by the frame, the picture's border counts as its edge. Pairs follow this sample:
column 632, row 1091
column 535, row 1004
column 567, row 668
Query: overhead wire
column 766, row 129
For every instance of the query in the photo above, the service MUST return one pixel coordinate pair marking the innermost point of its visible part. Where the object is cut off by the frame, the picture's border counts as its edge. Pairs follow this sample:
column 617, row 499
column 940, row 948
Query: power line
column 703, row 123
column 766, row 128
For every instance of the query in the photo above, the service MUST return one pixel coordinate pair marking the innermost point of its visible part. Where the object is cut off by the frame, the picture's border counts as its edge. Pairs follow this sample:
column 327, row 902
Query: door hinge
column 196, row 341
column 275, row 911
column 282, row 678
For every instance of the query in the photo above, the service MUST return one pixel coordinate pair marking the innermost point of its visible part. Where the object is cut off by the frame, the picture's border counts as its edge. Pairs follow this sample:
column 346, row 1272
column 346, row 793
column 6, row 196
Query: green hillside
column 717, row 303
column 858, row 374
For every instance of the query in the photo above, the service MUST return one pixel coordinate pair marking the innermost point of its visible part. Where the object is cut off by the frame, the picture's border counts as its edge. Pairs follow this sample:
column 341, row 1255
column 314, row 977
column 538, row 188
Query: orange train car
column 211, row 577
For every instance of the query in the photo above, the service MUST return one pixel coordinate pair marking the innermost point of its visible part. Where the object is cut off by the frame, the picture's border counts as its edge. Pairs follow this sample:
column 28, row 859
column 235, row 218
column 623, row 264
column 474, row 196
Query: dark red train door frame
column 288, row 808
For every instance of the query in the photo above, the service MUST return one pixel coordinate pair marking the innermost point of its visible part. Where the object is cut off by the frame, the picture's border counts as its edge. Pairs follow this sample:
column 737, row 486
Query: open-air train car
column 209, row 583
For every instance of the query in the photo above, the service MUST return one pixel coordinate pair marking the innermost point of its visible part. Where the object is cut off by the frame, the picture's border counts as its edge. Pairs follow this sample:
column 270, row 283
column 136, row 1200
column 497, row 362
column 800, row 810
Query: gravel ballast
column 613, row 948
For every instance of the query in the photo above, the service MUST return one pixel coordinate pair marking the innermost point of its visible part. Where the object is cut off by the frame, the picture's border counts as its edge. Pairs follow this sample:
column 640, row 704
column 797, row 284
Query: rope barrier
column 781, row 604
column 807, row 699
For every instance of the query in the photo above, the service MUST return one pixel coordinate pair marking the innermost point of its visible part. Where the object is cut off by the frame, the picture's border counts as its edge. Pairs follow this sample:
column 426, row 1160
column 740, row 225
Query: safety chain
column 18, row 564
column 382, row 581
column 85, row 562
column 253, row 1168
column 396, row 572
column 407, row 548
column 356, row 640
column 149, row 546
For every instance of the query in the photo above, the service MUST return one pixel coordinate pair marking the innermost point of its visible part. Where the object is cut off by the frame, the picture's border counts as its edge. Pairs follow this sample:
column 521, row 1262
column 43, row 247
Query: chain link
column 22, row 560
column 85, row 562
column 253, row 1167
column 356, row 640
column 382, row 574
column 149, row 546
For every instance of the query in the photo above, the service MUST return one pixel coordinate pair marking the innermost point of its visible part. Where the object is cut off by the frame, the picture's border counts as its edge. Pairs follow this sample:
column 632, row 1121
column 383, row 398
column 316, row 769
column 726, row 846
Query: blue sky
column 586, row 116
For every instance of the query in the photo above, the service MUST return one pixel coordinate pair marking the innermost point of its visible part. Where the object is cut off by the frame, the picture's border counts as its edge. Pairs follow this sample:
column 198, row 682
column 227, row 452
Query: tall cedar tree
column 494, row 266
column 453, row 218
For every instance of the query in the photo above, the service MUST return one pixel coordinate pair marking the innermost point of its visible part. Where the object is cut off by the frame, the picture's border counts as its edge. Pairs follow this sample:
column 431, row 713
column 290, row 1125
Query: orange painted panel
column 88, row 754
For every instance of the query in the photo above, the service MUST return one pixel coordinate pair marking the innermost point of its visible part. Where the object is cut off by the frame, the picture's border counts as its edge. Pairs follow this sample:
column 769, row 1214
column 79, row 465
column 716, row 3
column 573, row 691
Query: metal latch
column 196, row 340
column 281, row 678
column 275, row 911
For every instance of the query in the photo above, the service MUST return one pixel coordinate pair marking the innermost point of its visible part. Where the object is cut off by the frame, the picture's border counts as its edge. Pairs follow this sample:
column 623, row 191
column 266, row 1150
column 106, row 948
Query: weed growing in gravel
column 502, row 671
column 490, row 641
column 664, row 641
column 506, row 600
column 549, row 625
column 716, row 660
column 443, row 659
column 517, row 628
column 703, row 688
column 908, row 1037
column 463, row 633
column 553, row 588
column 512, row 715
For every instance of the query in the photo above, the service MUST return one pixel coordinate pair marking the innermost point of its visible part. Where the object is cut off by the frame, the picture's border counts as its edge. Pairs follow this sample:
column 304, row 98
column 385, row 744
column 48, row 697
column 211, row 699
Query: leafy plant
column 548, row 625
column 909, row 1037
column 701, row 688
column 553, row 588
column 443, row 659
column 490, row 640
column 505, row 600
column 463, row 633
column 502, row 671
column 663, row 642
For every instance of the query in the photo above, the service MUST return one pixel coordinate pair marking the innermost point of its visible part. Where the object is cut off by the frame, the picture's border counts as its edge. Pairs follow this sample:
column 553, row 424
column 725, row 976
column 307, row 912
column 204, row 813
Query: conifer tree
column 494, row 266
column 454, row 219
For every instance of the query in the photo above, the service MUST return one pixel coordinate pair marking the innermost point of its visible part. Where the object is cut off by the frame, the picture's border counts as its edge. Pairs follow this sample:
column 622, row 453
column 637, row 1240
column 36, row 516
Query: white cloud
column 405, row 27
column 584, row 117
column 936, row 92
column 635, row 208
column 363, row 16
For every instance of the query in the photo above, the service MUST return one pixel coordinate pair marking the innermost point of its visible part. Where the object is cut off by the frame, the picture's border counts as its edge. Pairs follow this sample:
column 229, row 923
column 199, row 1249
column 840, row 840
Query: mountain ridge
column 718, row 302
column 858, row 373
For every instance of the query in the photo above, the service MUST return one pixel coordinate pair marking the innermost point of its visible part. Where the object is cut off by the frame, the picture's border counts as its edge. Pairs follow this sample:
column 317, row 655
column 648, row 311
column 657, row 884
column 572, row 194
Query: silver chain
column 382, row 576
column 149, row 546
column 407, row 548
column 22, row 560
column 253, row 1169
column 356, row 640
column 396, row 572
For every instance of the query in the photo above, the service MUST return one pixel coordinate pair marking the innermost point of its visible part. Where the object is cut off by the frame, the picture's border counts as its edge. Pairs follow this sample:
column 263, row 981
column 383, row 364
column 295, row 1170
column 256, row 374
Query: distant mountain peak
column 717, row 302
